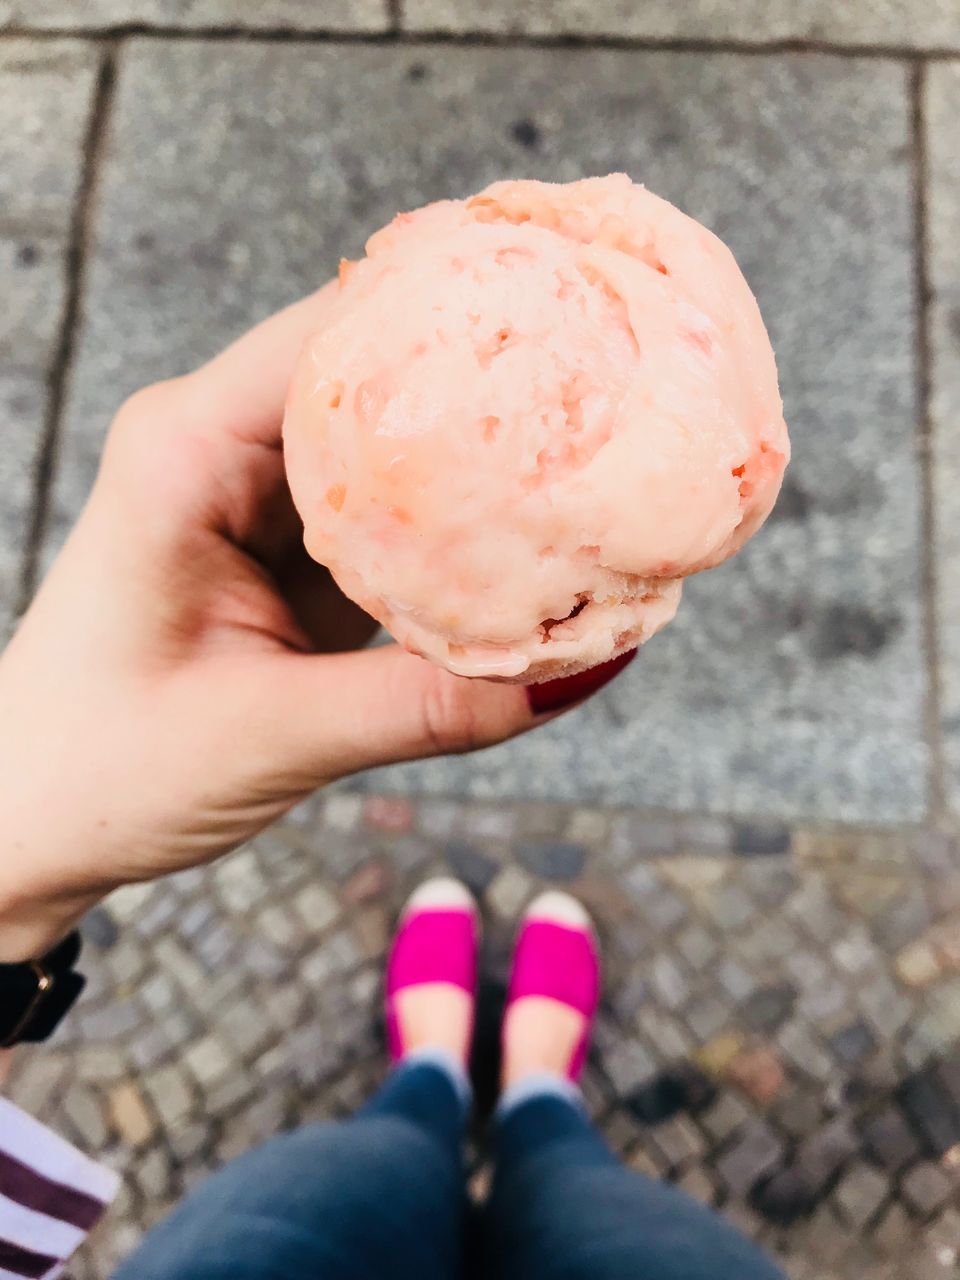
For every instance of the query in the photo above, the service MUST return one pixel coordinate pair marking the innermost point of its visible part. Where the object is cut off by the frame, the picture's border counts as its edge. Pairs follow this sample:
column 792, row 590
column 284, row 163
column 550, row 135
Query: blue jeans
column 381, row 1197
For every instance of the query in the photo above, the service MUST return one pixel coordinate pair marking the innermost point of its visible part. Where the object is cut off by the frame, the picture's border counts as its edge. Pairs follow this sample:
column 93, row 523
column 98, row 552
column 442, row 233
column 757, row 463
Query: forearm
column 64, row 775
column 54, row 862
column 39, row 899
column 39, row 902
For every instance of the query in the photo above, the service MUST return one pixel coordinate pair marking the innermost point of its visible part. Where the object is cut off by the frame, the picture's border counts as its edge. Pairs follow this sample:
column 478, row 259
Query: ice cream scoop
column 528, row 416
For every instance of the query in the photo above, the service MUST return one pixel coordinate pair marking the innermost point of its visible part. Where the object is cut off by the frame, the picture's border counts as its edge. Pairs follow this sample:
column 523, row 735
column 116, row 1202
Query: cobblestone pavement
column 780, row 1034
column 782, row 1027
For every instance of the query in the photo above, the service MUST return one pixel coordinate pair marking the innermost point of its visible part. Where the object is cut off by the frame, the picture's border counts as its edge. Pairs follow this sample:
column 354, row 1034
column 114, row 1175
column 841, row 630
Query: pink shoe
column 436, row 942
column 557, row 958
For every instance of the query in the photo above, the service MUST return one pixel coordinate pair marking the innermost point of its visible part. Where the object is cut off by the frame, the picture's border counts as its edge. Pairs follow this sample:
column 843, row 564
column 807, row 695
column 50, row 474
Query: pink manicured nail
column 554, row 695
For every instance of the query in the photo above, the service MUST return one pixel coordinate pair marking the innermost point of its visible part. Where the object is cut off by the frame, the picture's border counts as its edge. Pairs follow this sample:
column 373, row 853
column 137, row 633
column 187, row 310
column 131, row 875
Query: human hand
column 186, row 673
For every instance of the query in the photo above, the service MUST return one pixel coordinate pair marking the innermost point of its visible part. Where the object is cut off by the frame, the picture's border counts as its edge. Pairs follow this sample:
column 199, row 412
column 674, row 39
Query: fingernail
column 554, row 695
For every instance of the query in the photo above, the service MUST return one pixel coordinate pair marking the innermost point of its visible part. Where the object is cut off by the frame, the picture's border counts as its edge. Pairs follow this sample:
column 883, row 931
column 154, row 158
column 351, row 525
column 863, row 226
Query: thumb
column 336, row 714
column 340, row 713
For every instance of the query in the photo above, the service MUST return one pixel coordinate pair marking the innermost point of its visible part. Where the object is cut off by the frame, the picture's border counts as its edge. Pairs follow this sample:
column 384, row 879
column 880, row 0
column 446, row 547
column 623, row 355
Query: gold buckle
column 45, row 982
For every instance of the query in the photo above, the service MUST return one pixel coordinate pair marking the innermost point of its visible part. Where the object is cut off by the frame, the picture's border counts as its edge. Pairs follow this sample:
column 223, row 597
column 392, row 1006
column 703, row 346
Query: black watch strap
column 35, row 995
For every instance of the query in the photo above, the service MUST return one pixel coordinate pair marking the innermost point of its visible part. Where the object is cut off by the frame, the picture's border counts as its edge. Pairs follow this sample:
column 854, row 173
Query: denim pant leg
column 564, row 1208
column 380, row 1195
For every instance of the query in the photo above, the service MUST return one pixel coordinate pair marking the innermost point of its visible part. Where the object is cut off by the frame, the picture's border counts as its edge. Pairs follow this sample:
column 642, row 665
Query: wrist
column 31, row 926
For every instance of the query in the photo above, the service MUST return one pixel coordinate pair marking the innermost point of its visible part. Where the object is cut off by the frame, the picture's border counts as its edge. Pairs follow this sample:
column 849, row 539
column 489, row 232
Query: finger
column 332, row 621
column 243, row 390
column 271, row 530
column 236, row 398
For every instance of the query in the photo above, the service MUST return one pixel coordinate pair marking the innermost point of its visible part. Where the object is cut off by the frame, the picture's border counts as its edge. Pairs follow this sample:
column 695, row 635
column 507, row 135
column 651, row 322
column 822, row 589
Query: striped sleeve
column 51, row 1195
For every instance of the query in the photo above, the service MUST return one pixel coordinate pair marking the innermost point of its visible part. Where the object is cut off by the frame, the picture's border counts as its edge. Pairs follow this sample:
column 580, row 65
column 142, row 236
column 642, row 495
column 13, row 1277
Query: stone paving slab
column 889, row 23
column 234, row 178
column 253, row 15
column 767, row 1039
column 45, row 97
column 942, row 103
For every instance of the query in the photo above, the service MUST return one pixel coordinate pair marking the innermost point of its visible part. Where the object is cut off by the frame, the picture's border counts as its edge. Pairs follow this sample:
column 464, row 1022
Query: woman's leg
column 379, row 1195
column 563, row 1207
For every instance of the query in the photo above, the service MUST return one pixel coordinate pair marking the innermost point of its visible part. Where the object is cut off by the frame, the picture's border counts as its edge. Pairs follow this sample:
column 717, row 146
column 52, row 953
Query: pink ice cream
column 529, row 416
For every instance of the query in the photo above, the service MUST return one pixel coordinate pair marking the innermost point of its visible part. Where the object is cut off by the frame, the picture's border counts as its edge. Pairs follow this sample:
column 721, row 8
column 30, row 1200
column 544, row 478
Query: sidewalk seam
column 61, row 364
column 479, row 39
column 922, row 287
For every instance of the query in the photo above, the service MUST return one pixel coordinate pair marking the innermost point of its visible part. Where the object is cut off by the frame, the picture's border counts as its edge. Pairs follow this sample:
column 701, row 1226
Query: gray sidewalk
column 172, row 170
